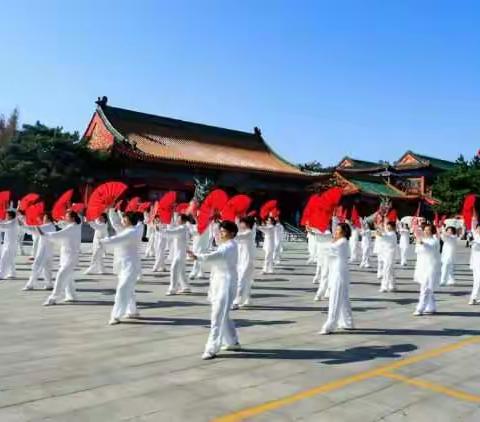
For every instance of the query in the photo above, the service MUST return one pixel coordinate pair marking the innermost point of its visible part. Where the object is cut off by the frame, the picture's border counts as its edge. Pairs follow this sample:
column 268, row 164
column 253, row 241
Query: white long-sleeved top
column 10, row 229
column 223, row 266
column 269, row 237
column 428, row 263
column 101, row 230
column 388, row 243
column 449, row 248
column 279, row 231
column 43, row 242
column 404, row 238
column 69, row 239
column 125, row 243
column 179, row 237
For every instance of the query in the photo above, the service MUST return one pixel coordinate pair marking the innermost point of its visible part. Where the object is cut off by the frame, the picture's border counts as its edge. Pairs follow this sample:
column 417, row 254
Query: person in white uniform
column 224, row 263
column 42, row 262
column 100, row 227
column 354, row 244
column 9, row 228
column 322, row 241
column 404, row 243
column 161, row 241
column 449, row 250
column 388, row 239
column 339, row 308
column 246, row 260
column 151, row 234
column 278, row 239
column 69, row 239
column 475, row 266
column 268, row 231
column 366, row 243
column 127, row 245
column 179, row 235
column 428, row 263
column 200, row 244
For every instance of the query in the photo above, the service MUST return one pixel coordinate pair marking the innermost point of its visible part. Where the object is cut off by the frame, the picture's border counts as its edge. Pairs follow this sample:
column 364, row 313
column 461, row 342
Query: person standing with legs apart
column 428, row 262
column 223, row 261
column 339, row 309
column 179, row 236
column 42, row 263
column 279, row 233
column 100, row 226
column 9, row 228
column 475, row 266
column 127, row 245
column 69, row 239
column 200, row 244
column 449, row 251
column 246, row 260
column 160, row 245
column 268, row 231
column 388, row 240
column 366, row 246
column 353, row 244
column 323, row 241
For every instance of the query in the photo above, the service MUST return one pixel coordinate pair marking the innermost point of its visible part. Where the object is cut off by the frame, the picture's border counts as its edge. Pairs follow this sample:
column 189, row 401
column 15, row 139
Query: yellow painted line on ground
column 437, row 388
column 343, row 382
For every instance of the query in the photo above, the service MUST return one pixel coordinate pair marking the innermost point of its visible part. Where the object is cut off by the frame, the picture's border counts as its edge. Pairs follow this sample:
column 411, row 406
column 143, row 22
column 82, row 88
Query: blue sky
column 322, row 79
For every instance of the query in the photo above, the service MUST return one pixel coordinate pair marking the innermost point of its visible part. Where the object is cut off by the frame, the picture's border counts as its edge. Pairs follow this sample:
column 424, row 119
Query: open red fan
column 144, row 206
column 182, row 208
column 267, row 208
column 78, row 207
column 323, row 208
column 34, row 214
column 103, row 197
column 468, row 210
column 237, row 206
column 27, row 200
column 392, row 215
column 133, row 204
column 211, row 207
column 166, row 207
column 118, row 205
column 4, row 203
column 62, row 205
column 355, row 218
column 304, row 221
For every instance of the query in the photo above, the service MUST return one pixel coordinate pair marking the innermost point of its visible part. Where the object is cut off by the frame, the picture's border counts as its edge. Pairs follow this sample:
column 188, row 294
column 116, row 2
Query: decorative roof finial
column 257, row 131
column 102, row 101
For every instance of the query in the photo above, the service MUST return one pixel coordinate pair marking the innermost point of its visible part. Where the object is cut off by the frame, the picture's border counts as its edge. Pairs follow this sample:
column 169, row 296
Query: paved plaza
column 64, row 363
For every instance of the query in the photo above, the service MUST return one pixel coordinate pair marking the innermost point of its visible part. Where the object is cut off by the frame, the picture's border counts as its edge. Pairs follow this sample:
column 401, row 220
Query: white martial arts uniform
column 199, row 245
column 311, row 247
column 245, row 268
column 366, row 247
column 475, row 265
column 268, row 247
column 279, row 233
column 160, row 247
column 114, row 217
column 223, row 289
column 127, row 244
column 35, row 241
column 97, row 265
column 449, row 250
column 9, row 249
column 42, row 262
column 323, row 242
column 404, row 245
column 178, row 278
column 21, row 234
column 428, row 274
column 388, row 251
column 353, row 244
column 339, row 309
column 377, row 250
column 69, row 239
column 151, row 233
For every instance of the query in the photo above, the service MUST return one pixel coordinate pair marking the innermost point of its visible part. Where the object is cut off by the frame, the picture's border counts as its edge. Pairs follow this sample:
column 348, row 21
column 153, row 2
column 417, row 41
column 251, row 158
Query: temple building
column 161, row 154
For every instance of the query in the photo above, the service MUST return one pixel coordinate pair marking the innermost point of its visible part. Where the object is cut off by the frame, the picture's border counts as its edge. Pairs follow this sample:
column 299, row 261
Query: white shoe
column 383, row 290
column 114, row 321
column 208, row 356
column 133, row 316
column 48, row 287
column 317, row 298
column 472, row 302
column 69, row 300
column 170, row 293
column 185, row 291
column 232, row 347
column 235, row 307
column 417, row 313
column 324, row 332
column 49, row 302
column 191, row 277
column 26, row 288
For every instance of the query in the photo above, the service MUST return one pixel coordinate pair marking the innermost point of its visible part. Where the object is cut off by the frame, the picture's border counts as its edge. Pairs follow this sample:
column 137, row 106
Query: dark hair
column 184, row 218
column 229, row 226
column 49, row 216
column 392, row 224
column 21, row 212
column 248, row 221
column 133, row 217
column 104, row 216
column 75, row 216
column 432, row 227
column 346, row 230
column 11, row 214
column 271, row 219
column 453, row 229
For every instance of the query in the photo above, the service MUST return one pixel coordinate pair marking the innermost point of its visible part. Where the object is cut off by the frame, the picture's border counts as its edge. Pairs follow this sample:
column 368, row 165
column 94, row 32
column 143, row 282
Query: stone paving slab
column 65, row 364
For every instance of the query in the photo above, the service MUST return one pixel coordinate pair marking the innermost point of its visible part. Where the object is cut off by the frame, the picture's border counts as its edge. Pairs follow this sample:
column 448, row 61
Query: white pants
column 388, row 273
column 159, row 264
column 277, row 253
column 365, row 263
column 64, row 281
column 178, row 279
column 322, row 274
column 245, row 279
column 426, row 301
column 197, row 269
column 268, row 263
column 339, row 309
column 125, row 302
column 222, row 328
column 41, row 267
column 403, row 256
column 97, row 265
column 379, row 266
column 7, row 261
column 476, row 284
column 150, row 249
column 447, row 277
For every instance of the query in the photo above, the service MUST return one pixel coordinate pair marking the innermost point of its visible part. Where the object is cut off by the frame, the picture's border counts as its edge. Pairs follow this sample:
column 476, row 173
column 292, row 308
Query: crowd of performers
column 228, row 249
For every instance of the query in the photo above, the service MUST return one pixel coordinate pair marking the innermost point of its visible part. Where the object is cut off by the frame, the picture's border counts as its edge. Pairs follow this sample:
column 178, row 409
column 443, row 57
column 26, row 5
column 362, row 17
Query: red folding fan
column 34, row 214
column 267, row 208
column 468, row 210
column 103, row 197
column 4, row 203
column 237, row 206
column 62, row 205
column 27, row 200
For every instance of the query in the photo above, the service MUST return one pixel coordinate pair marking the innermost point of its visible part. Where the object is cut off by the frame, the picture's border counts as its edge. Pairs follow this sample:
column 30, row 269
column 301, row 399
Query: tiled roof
column 155, row 138
column 425, row 161
column 377, row 188
column 361, row 164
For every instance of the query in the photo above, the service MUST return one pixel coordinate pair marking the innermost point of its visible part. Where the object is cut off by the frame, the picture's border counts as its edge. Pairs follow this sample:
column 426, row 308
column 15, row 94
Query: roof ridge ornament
column 102, row 101
column 257, row 131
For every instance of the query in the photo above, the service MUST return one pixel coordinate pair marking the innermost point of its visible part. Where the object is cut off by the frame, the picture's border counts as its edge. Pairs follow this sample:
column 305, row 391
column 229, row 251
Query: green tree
column 49, row 161
column 452, row 186
column 313, row 166
column 8, row 127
